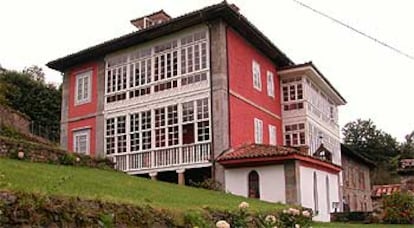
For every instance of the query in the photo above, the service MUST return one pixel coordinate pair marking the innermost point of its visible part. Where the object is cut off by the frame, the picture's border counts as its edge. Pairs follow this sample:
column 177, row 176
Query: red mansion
column 206, row 95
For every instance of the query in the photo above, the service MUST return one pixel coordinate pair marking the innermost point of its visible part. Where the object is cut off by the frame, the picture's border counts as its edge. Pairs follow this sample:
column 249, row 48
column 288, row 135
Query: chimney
column 151, row 20
column 234, row 7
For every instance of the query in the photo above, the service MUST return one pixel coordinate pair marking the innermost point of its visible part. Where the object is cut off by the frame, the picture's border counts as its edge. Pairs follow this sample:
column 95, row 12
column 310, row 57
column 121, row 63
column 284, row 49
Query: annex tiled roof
column 257, row 151
column 260, row 154
column 383, row 190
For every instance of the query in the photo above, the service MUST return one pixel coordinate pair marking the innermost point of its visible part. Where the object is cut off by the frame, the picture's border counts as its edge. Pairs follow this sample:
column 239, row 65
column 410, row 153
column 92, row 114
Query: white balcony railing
column 163, row 158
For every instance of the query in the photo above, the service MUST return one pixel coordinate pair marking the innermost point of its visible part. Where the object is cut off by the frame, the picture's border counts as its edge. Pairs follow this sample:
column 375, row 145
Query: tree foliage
column 35, row 72
column 30, row 95
column 364, row 137
column 407, row 147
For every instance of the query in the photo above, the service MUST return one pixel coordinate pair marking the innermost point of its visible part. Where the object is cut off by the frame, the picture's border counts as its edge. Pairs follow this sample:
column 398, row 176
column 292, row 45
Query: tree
column 365, row 138
column 33, row 97
column 35, row 72
column 407, row 147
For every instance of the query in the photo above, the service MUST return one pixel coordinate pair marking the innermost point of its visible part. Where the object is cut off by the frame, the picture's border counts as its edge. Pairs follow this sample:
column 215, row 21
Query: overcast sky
column 376, row 82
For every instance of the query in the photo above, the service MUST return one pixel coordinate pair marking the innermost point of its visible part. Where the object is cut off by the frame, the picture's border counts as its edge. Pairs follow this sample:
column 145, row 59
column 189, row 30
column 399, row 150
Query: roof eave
column 221, row 10
column 340, row 100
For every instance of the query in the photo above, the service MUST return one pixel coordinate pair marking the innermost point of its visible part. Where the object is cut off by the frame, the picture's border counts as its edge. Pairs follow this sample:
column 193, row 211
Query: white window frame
column 272, row 135
column 258, row 131
column 270, row 84
column 81, row 133
column 257, row 81
column 85, row 75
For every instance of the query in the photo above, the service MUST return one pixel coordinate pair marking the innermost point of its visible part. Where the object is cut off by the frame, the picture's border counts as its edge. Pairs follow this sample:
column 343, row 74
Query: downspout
column 211, row 106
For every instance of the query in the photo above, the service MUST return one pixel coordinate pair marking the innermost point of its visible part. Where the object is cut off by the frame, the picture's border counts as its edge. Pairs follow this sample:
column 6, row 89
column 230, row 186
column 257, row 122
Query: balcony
column 179, row 157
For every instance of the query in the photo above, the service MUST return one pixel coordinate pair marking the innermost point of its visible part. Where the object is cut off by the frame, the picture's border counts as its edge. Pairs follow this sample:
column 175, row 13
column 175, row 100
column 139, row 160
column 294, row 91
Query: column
column 181, row 176
column 153, row 176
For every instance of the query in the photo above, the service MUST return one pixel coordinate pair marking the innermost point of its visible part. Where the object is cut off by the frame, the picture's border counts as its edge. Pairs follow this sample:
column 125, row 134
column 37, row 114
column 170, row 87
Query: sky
column 376, row 82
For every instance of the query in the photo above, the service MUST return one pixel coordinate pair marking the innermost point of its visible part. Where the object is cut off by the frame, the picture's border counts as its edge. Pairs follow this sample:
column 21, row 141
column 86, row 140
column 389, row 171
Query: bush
column 209, row 184
column 196, row 219
column 354, row 216
column 295, row 218
column 398, row 208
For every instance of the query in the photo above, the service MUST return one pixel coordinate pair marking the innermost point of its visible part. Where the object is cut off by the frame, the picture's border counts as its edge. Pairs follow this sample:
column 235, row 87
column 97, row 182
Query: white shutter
column 272, row 135
column 270, row 84
column 257, row 83
column 258, row 131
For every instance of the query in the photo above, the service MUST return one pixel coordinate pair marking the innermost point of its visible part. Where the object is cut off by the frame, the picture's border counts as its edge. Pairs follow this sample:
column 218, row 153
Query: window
column 172, row 124
column 254, row 187
column 257, row 82
column 328, row 198
column 292, row 91
column 167, row 65
column 258, row 131
column 203, row 125
column 83, row 88
column 295, row 134
column 81, row 141
column 315, row 194
column 272, row 135
column 159, row 128
column 116, row 135
column 270, row 84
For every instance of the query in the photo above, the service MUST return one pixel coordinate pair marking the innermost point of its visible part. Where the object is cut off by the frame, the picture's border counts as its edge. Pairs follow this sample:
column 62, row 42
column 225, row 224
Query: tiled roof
column 257, row 151
column 381, row 190
column 345, row 150
column 210, row 13
column 259, row 154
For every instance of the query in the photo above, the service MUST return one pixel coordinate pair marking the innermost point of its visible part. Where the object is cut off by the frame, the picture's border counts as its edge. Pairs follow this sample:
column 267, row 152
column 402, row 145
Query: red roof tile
column 381, row 190
column 259, row 154
column 257, row 151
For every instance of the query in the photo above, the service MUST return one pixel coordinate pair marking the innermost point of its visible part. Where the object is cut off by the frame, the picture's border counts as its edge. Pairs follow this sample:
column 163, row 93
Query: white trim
column 84, row 75
column 81, row 128
column 254, row 104
column 80, row 133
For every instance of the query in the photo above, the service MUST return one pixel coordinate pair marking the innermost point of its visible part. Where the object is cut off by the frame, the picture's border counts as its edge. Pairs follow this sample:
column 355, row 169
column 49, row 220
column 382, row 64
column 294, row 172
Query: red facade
column 87, row 111
column 247, row 103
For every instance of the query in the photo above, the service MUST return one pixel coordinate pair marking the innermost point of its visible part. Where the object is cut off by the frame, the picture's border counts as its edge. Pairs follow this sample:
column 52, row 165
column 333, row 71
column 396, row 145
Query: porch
column 196, row 155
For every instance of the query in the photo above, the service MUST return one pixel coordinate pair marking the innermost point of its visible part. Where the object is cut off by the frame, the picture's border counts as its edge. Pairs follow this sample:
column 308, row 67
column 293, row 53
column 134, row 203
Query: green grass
column 349, row 225
column 117, row 187
column 114, row 186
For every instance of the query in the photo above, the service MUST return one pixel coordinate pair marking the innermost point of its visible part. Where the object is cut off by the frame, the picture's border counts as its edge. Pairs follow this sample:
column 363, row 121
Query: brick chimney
column 150, row 20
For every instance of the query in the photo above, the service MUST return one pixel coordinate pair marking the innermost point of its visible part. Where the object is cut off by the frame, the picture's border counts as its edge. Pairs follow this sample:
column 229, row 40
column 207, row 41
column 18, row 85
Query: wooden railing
column 163, row 158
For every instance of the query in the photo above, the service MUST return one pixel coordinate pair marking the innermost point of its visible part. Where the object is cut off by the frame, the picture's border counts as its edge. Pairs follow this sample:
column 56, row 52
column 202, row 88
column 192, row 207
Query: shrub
column 295, row 218
column 398, row 208
column 67, row 159
column 196, row 219
column 354, row 216
column 209, row 184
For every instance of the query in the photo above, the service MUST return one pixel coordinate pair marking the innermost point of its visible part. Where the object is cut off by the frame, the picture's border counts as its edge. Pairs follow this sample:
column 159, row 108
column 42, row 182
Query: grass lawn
column 346, row 225
column 115, row 187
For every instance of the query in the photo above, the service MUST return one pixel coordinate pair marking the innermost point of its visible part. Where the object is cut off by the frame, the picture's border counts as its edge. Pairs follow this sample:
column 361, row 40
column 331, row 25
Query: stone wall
column 15, row 119
column 356, row 184
column 32, row 210
column 34, row 152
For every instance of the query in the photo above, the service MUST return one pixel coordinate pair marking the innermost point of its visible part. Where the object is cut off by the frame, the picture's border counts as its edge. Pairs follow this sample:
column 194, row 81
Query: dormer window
column 323, row 153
